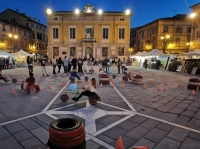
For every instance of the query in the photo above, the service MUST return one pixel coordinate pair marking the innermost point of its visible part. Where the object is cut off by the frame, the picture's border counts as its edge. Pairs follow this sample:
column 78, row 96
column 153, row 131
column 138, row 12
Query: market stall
column 21, row 57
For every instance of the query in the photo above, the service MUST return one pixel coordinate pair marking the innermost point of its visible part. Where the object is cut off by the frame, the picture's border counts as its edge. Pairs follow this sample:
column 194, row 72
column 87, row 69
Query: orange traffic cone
column 197, row 89
column 193, row 92
column 165, row 84
column 82, row 81
column 165, row 88
column 153, row 82
column 152, row 74
column 113, row 81
column 122, row 85
column 113, row 85
column 101, row 85
column 158, row 87
column 50, row 86
column 61, row 84
column 64, row 83
column 144, row 86
column 40, row 88
column 179, row 85
column 120, row 143
column 40, row 76
column 140, row 147
column 174, row 77
column 13, row 91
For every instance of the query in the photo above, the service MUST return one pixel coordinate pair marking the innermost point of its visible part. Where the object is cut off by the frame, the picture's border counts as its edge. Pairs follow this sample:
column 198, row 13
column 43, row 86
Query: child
column 91, row 70
column 89, row 91
column 101, row 71
column 126, row 74
column 74, row 74
column 31, row 83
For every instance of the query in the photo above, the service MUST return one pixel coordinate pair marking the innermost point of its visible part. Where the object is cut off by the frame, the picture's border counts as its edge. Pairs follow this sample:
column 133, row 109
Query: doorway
column 88, row 52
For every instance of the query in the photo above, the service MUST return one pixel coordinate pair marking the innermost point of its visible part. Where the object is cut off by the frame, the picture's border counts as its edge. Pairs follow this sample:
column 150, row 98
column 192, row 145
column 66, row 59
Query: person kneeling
column 127, row 75
column 30, row 83
column 89, row 91
column 3, row 78
column 74, row 74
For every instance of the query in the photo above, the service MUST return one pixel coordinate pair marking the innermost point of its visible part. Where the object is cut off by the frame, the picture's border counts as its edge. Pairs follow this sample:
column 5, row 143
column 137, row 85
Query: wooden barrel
column 64, row 97
column 14, row 80
column 66, row 133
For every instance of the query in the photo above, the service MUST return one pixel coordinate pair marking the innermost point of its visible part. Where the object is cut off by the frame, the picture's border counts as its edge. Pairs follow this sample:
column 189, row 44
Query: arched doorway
column 89, row 52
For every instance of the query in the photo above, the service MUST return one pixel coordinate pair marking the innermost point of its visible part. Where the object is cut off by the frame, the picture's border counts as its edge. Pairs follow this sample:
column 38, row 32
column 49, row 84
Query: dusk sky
column 144, row 11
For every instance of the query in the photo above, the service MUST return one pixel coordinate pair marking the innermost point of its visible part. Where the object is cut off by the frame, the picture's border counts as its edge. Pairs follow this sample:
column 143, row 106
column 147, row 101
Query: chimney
column 35, row 18
column 17, row 10
column 38, row 20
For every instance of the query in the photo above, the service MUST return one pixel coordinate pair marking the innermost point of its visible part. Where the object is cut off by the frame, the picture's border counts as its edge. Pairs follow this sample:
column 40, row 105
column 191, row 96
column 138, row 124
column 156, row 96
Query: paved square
column 155, row 118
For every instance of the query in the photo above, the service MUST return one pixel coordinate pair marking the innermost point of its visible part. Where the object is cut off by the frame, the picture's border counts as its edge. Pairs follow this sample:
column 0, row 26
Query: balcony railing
column 89, row 40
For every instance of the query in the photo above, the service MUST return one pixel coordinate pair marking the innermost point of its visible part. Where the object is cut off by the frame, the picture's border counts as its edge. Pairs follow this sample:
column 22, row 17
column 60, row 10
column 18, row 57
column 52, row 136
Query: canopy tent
column 192, row 53
column 2, row 53
column 144, row 53
column 20, row 55
column 156, row 52
column 136, row 55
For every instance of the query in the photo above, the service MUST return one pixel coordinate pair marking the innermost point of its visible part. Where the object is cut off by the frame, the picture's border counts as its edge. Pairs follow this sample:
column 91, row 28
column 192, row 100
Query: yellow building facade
column 169, row 35
column 88, row 33
column 195, row 42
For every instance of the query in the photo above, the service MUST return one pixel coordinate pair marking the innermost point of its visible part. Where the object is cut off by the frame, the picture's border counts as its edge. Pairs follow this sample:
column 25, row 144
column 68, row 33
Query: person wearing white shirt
column 65, row 64
column 54, row 64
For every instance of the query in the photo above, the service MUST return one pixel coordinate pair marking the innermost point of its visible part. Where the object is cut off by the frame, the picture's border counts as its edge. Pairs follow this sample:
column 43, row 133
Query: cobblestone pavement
column 156, row 118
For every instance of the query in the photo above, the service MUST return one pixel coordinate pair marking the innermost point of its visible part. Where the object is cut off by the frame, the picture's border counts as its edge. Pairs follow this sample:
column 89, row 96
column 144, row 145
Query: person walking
column 119, row 63
column 30, row 64
column 59, row 63
column 65, row 64
column 54, row 64
column 107, row 64
column 43, row 66
column 69, row 64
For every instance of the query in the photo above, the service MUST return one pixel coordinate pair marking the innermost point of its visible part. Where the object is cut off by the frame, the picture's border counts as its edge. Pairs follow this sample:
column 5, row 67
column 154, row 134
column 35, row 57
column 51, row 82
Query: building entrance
column 89, row 52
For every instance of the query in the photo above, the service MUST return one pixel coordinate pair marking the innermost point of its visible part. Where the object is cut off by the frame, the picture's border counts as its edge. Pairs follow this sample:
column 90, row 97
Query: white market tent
column 2, row 53
column 192, row 53
column 21, row 55
column 144, row 53
column 156, row 52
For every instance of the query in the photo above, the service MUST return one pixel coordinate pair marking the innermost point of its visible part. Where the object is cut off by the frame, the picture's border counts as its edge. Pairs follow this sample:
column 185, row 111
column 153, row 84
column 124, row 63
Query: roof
column 176, row 17
column 24, row 15
column 88, row 13
column 14, row 24
column 194, row 5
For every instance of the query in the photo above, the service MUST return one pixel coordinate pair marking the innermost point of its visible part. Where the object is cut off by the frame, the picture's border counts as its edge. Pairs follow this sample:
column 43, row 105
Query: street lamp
column 127, row 12
column 49, row 11
column 130, row 50
column 100, row 11
column 192, row 16
column 2, row 45
column 77, row 11
column 164, row 42
column 15, row 37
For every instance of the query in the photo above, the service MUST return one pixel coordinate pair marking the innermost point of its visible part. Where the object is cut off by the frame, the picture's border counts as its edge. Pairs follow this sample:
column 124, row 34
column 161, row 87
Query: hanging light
column 49, row 11
column 77, row 11
column 127, row 12
column 100, row 11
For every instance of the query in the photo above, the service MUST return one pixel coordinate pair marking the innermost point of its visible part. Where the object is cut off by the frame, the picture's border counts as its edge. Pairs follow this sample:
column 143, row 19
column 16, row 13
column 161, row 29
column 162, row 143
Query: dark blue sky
column 144, row 11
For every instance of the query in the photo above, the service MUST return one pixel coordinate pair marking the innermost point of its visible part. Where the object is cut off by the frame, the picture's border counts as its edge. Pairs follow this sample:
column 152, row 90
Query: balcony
column 89, row 40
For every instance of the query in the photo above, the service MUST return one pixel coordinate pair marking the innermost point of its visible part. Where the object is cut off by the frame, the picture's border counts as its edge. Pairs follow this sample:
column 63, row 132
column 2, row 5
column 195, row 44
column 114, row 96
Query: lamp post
column 2, row 45
column 192, row 16
column 164, row 42
column 130, row 50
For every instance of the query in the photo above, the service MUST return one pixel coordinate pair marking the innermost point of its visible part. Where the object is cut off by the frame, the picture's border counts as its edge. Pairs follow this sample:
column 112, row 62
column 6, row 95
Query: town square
column 83, row 77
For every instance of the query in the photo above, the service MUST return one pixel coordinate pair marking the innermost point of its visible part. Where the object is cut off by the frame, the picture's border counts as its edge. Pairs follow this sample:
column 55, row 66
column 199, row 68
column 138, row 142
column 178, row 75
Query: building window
column 32, row 24
column 105, row 33
column 4, row 28
column 121, row 51
column 33, row 35
column 177, row 41
column 166, row 29
column 55, row 51
column 64, row 53
column 142, row 34
column 55, row 18
column 198, row 36
column 89, row 33
column 104, row 51
column 154, row 30
column 121, row 33
column 72, row 33
column 148, row 32
column 189, row 30
column 121, row 19
column 55, row 33
column 24, row 33
column 72, row 51
column 179, row 29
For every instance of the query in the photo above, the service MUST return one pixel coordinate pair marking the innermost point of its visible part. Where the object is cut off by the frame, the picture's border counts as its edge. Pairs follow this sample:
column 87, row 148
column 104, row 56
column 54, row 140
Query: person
column 107, row 64
column 7, row 63
column 54, row 64
column 69, row 64
column 89, row 91
column 74, row 74
column 31, row 83
column 101, row 71
column 74, row 62
column 3, row 78
column 65, row 64
column 43, row 66
column 59, row 63
column 13, row 62
column 30, row 64
column 80, row 64
column 113, row 61
column 145, row 63
column 123, row 65
column 119, row 65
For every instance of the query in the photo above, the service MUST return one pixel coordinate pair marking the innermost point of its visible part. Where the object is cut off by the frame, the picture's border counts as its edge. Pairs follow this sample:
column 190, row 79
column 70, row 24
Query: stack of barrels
column 138, row 79
column 193, row 83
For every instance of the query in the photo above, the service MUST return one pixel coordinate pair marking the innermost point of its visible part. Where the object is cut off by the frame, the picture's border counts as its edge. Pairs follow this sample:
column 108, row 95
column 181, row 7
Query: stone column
column 83, row 49
column 94, row 48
